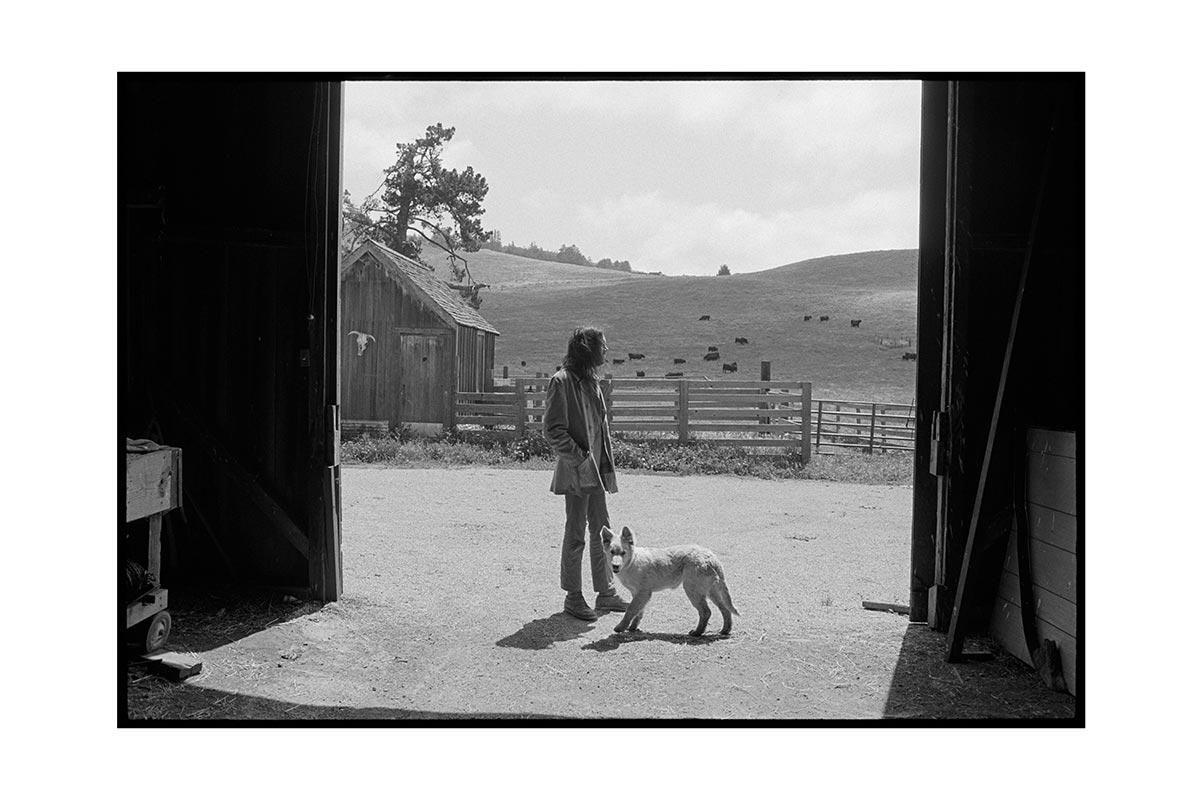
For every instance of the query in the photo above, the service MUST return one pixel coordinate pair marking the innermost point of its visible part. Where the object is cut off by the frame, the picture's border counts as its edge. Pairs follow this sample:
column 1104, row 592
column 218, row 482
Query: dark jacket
column 574, row 411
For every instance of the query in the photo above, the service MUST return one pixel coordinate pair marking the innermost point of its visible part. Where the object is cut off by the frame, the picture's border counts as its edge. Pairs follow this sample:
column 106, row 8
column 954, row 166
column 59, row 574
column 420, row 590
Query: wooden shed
column 409, row 341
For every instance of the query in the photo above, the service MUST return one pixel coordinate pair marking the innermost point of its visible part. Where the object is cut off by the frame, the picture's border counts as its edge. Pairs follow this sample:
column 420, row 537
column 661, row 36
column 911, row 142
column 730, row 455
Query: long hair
column 582, row 350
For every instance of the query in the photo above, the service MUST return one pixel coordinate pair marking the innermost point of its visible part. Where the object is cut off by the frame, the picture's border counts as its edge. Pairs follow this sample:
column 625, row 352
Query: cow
column 635, row 356
column 741, row 340
column 679, row 360
column 909, row 357
column 641, row 373
column 618, row 361
column 705, row 318
column 712, row 356
column 854, row 323
column 674, row 374
column 729, row 367
column 824, row 318
column 712, row 348
column 807, row 317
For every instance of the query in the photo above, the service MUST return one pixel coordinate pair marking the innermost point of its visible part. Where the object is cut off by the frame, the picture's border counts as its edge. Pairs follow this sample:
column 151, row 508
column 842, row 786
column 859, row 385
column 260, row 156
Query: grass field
column 535, row 305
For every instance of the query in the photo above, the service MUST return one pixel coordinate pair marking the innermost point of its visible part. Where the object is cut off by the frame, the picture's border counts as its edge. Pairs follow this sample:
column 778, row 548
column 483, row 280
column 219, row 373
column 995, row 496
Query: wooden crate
column 153, row 482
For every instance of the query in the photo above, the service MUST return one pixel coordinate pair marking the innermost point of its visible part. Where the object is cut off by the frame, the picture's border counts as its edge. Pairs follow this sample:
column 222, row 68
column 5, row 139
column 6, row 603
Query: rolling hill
column 536, row 304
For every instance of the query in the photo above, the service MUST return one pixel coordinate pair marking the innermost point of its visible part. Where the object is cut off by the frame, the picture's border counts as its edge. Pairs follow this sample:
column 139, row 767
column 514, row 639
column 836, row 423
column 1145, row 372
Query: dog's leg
column 633, row 614
column 720, row 596
column 697, row 598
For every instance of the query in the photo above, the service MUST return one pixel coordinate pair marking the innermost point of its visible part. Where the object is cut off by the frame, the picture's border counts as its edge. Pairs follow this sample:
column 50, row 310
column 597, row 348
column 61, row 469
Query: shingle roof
column 450, row 301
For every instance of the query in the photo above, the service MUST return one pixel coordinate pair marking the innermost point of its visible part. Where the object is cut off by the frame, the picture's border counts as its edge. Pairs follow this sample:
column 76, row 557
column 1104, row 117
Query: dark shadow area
column 926, row 686
column 163, row 701
column 206, row 619
column 541, row 633
column 617, row 639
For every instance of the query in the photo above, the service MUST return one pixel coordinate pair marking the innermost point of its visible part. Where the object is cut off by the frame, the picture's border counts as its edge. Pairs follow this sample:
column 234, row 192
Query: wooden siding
column 1053, row 540
column 476, row 354
column 403, row 375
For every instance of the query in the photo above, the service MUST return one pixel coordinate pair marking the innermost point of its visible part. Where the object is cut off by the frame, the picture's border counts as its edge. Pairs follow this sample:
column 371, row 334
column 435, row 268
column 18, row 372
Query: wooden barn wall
column 465, row 344
column 404, row 374
column 223, row 304
column 1053, row 527
column 1008, row 177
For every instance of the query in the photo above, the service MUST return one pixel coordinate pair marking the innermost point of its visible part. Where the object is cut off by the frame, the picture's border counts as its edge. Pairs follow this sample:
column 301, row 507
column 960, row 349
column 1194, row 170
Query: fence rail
column 725, row 413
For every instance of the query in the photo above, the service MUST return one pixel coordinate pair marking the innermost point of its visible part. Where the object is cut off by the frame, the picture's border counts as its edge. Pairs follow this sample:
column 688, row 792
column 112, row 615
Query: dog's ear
column 606, row 534
column 626, row 535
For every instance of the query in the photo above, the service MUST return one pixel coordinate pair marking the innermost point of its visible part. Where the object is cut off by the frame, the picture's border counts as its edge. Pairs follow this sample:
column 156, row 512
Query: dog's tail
column 722, row 589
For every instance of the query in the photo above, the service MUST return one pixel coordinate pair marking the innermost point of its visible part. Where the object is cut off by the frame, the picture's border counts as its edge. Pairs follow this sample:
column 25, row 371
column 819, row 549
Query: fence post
column 764, row 374
column 607, row 389
column 505, row 371
column 520, row 402
column 805, row 422
column 817, row 446
column 871, row 437
column 683, row 410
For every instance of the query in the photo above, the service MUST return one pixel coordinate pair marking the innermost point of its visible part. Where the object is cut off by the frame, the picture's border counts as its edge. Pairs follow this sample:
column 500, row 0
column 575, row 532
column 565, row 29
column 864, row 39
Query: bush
column 497, row 449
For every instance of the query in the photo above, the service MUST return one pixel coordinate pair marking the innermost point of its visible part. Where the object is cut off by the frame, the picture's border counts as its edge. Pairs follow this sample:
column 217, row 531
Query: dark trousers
column 586, row 514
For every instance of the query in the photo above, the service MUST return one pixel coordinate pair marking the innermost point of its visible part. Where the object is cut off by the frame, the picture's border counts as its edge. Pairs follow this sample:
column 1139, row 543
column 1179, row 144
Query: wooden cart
column 153, row 486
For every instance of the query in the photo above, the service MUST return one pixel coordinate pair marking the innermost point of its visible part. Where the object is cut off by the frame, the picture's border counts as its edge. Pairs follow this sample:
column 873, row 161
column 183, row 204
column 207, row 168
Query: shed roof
column 399, row 267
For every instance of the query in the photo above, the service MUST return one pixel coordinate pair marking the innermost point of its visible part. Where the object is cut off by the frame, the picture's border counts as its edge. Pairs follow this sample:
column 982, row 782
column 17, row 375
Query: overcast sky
column 673, row 176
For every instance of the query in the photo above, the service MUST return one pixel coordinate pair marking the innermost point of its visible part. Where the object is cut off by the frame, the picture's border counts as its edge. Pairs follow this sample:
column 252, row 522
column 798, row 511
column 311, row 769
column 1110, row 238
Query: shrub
column 496, row 449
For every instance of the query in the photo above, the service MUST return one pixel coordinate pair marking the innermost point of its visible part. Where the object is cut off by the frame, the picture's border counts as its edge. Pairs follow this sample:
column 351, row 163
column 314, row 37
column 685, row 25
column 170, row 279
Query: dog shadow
column 540, row 634
column 615, row 640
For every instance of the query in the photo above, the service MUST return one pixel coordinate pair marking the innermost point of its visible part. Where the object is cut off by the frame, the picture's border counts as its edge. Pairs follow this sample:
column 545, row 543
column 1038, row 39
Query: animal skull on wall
column 361, row 339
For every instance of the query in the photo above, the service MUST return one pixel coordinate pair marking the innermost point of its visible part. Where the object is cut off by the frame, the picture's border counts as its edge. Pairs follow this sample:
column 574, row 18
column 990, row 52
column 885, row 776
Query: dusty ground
column 452, row 609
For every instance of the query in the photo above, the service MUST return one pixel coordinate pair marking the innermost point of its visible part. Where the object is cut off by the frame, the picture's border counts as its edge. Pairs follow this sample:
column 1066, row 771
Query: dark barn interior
column 230, row 209
column 229, row 215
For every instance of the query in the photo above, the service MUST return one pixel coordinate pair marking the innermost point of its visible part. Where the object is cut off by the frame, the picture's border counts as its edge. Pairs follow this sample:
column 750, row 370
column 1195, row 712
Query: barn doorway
column 448, row 519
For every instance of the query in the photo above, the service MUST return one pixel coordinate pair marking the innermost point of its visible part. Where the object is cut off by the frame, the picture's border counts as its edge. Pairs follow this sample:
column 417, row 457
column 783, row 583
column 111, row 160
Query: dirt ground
column 452, row 610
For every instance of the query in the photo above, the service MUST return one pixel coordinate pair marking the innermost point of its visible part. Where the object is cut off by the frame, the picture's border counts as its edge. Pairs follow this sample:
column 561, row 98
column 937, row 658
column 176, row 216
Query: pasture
column 536, row 304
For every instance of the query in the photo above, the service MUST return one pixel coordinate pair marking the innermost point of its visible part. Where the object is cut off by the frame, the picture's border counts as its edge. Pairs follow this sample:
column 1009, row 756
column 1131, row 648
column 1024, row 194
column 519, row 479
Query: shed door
column 418, row 380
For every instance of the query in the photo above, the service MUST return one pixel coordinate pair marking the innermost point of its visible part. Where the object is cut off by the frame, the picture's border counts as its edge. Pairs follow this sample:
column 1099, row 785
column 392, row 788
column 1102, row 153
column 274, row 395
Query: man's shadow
column 615, row 640
column 541, row 633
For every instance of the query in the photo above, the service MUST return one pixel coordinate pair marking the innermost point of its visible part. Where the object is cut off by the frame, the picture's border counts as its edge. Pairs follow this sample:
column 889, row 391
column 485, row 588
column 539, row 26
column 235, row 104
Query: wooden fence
column 724, row 413
column 870, row 427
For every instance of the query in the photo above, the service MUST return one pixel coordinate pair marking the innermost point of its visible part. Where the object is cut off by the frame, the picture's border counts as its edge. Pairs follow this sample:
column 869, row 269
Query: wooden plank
column 154, row 549
column 1053, row 527
column 749, row 426
column 744, row 399
column 1050, row 607
column 895, row 608
column 627, row 425
column 145, row 606
column 624, row 413
column 742, row 413
column 1052, row 568
column 508, row 409
column 831, row 406
column 1052, row 481
column 1057, row 443
column 152, row 482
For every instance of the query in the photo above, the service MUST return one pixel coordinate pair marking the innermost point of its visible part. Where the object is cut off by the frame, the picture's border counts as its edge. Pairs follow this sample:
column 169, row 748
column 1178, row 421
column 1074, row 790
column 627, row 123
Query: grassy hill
column 536, row 304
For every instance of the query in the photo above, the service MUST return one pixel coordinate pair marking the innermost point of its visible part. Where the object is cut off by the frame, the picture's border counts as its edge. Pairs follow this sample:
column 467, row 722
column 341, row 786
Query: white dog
column 645, row 571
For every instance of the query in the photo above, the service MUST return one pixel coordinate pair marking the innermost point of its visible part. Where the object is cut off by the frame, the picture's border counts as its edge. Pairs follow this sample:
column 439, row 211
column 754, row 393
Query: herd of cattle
column 714, row 353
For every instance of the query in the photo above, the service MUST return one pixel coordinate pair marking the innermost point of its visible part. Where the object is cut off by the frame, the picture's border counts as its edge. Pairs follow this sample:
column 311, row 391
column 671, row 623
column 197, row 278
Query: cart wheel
column 157, row 631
